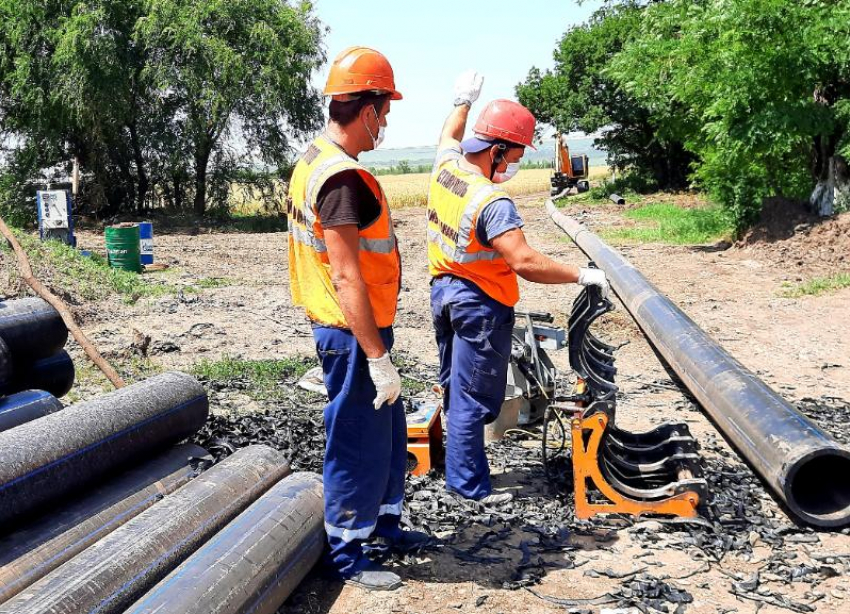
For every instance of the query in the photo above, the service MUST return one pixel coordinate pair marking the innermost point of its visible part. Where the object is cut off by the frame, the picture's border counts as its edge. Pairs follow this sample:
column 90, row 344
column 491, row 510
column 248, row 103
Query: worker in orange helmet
column 476, row 250
column 345, row 271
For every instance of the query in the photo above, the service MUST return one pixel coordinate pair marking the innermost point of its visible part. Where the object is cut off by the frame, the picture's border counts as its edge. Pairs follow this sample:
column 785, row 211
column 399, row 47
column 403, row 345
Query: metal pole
column 802, row 465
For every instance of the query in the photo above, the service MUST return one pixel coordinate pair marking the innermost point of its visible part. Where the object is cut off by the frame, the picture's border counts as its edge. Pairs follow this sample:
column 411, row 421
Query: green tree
column 70, row 87
column 233, row 69
column 757, row 89
column 160, row 100
column 580, row 95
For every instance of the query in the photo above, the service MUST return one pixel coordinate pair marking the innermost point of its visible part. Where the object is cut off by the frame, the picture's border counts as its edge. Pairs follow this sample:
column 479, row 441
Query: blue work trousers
column 474, row 338
column 365, row 452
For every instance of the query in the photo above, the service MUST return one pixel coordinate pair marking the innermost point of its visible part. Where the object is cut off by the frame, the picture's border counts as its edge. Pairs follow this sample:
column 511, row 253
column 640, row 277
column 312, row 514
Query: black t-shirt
column 346, row 199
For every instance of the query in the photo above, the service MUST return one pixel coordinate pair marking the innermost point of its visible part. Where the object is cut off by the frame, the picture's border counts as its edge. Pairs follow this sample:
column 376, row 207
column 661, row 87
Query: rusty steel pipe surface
column 807, row 469
column 110, row 575
column 29, row 554
column 255, row 562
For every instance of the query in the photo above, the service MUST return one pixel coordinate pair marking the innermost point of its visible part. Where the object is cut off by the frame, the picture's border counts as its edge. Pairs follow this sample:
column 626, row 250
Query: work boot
column 496, row 499
column 401, row 542
column 375, row 577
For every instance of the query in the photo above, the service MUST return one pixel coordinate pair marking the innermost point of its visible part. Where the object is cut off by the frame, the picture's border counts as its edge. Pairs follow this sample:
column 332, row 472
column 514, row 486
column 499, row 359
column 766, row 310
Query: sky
column 430, row 43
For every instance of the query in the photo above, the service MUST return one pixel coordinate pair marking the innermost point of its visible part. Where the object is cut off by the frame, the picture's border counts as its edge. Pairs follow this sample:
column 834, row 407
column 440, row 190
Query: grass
column 673, row 225
column 817, row 286
column 206, row 283
column 87, row 376
column 68, row 272
column 264, row 376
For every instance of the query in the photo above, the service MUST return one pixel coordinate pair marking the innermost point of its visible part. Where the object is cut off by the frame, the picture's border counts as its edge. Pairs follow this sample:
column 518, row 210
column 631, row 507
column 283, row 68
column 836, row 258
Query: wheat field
column 412, row 190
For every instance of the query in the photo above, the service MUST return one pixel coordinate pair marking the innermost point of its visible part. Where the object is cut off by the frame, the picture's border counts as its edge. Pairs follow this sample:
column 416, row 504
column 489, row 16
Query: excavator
column 570, row 171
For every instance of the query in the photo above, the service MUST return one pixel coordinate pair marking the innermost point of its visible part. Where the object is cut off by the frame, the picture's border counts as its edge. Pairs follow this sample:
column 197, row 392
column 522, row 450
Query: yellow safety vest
column 455, row 200
column 309, row 267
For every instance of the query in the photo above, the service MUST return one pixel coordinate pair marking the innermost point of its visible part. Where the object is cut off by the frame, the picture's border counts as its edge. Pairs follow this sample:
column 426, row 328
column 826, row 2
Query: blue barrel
column 146, row 242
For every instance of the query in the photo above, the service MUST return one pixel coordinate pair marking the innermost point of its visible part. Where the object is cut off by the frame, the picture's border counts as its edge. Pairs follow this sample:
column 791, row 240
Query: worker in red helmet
column 345, row 271
column 476, row 251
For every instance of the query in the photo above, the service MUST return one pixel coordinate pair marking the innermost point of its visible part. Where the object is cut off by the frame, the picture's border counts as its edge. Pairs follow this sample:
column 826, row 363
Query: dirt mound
column 789, row 234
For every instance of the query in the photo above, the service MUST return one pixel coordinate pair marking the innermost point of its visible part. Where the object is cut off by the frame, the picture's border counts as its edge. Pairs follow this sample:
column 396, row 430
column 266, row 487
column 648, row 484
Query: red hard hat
column 506, row 120
column 360, row 69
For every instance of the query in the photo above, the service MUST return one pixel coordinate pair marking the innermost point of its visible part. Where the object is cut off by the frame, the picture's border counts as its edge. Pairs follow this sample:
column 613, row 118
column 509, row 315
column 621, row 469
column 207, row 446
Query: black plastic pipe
column 41, row 546
column 5, row 366
column 25, row 406
column 255, row 562
column 63, row 452
column 31, row 328
column 110, row 575
column 54, row 374
column 802, row 465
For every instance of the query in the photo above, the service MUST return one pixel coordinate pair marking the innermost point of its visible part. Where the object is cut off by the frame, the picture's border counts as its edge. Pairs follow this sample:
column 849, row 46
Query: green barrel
column 122, row 248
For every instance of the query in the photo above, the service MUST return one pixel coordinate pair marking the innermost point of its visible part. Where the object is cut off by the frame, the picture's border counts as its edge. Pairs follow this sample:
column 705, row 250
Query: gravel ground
column 490, row 561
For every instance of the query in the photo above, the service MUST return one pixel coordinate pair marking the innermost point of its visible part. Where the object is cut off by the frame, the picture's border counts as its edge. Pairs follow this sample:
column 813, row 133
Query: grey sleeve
column 495, row 219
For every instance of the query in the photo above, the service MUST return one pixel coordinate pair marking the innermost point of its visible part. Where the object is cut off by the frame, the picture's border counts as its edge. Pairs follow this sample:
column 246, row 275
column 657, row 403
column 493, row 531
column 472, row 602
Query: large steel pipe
column 54, row 374
column 254, row 563
column 31, row 328
column 41, row 546
column 804, row 466
column 110, row 575
column 60, row 453
column 23, row 407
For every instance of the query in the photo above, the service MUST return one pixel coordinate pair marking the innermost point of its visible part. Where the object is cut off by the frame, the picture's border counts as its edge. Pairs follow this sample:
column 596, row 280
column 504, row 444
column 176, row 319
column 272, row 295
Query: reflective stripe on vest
column 456, row 198
column 311, row 285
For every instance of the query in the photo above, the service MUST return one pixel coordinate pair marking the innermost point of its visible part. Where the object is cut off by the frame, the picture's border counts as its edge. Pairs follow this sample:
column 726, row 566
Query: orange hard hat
column 506, row 120
column 359, row 70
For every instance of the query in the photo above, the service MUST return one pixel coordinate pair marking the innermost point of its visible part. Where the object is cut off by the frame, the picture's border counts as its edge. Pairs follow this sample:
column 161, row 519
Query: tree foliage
column 758, row 89
column 579, row 95
column 160, row 100
column 757, row 92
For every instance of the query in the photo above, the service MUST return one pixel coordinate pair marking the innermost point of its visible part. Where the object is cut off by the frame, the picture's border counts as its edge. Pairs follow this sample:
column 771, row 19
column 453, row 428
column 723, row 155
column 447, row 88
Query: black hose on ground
column 802, row 465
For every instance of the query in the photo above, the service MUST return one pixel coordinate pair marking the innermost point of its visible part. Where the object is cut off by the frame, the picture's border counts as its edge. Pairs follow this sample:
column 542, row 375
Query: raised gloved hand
column 468, row 87
column 386, row 379
column 594, row 277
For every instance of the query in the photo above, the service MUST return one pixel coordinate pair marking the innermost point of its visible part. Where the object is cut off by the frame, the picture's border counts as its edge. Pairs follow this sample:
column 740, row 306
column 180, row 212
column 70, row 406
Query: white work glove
column 468, row 87
column 594, row 277
column 386, row 379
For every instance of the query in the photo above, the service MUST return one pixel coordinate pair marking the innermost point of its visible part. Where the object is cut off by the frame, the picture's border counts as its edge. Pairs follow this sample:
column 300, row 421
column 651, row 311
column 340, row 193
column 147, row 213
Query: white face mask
column 510, row 173
column 376, row 140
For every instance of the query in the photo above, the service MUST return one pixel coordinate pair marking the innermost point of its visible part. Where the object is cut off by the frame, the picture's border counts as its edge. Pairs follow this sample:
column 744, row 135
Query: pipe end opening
column 820, row 489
